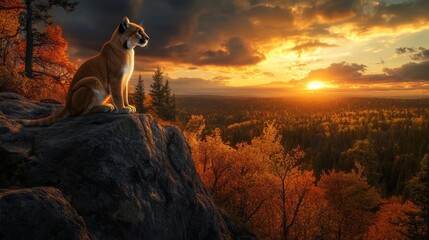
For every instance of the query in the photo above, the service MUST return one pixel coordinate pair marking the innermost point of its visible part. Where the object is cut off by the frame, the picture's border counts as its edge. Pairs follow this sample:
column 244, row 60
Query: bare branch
column 3, row 8
column 46, row 74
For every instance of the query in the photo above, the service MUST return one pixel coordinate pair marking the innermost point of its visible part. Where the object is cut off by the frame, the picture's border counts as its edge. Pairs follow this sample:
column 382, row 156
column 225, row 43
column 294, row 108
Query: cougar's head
column 131, row 34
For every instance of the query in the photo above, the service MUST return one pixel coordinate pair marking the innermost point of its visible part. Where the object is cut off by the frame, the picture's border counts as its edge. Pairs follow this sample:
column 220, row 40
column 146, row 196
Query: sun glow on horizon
column 315, row 85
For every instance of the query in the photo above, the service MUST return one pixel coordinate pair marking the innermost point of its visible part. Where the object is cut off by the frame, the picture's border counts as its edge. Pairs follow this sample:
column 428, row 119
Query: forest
column 314, row 167
column 332, row 168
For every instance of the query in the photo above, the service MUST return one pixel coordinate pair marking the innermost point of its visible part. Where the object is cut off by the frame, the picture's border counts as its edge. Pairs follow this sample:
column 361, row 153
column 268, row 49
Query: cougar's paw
column 110, row 108
column 132, row 108
column 124, row 110
column 106, row 108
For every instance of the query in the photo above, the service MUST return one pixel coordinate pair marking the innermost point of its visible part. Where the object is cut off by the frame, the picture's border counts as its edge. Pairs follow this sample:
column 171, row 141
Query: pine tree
column 140, row 95
column 363, row 151
column 169, row 108
column 157, row 91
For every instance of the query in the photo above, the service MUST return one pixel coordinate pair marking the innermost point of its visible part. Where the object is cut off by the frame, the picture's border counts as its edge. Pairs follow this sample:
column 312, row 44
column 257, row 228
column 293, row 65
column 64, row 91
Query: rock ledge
column 126, row 176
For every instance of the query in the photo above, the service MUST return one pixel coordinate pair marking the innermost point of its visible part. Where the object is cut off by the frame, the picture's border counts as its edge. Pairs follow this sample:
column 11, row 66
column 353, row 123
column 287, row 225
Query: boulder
column 127, row 176
column 39, row 213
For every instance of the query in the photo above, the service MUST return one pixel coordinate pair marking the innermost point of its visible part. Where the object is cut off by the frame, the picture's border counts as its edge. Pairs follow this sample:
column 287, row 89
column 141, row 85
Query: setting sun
column 314, row 85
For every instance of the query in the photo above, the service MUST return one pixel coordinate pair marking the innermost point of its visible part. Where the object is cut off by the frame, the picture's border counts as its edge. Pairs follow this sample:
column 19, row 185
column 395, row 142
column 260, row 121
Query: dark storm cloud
column 91, row 24
column 410, row 71
column 204, row 32
column 394, row 16
column 342, row 71
column 236, row 52
column 364, row 16
column 193, row 31
column 403, row 50
column 334, row 10
column 423, row 54
column 353, row 73
column 418, row 55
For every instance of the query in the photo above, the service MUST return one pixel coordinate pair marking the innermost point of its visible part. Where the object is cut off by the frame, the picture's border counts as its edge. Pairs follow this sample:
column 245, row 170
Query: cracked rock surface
column 125, row 175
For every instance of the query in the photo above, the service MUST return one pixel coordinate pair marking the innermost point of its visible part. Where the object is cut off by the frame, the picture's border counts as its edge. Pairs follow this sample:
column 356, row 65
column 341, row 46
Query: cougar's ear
column 124, row 25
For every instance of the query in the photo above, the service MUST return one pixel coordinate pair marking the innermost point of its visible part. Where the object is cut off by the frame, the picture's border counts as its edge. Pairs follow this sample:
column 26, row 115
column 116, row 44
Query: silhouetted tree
column 36, row 12
column 139, row 96
column 163, row 102
column 31, row 45
column 157, row 91
column 169, row 107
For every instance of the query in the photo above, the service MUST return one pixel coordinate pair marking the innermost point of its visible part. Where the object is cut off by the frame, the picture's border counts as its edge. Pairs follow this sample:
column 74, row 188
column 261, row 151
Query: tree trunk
column 285, row 230
column 29, row 40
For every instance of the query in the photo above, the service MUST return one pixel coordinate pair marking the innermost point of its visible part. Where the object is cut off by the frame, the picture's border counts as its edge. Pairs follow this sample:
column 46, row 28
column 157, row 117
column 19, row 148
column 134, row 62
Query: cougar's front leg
column 125, row 95
column 117, row 99
column 116, row 89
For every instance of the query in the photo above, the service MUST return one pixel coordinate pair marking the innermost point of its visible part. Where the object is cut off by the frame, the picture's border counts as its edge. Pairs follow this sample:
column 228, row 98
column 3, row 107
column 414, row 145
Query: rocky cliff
column 103, row 176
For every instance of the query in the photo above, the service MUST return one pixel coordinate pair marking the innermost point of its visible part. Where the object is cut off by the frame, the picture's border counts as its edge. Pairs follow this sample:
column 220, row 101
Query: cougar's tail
column 47, row 120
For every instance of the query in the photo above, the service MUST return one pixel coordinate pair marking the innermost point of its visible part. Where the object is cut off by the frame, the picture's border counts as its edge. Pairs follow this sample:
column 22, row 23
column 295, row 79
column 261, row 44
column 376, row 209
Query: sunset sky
column 268, row 47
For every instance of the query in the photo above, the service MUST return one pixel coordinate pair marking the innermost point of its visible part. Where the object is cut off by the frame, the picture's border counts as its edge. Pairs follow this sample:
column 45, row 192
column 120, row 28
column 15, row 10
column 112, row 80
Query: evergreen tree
column 363, row 151
column 163, row 102
column 169, row 107
column 140, row 95
column 157, row 91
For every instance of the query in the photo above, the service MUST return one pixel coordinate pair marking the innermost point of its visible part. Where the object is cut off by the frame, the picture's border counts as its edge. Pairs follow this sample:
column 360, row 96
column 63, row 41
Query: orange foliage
column 315, row 218
column 9, row 24
column 262, row 187
column 52, row 68
column 390, row 220
column 352, row 203
column 254, row 182
column 51, row 65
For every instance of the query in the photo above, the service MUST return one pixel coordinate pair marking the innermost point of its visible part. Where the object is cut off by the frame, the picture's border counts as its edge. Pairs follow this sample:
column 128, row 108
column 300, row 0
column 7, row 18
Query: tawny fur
column 102, row 77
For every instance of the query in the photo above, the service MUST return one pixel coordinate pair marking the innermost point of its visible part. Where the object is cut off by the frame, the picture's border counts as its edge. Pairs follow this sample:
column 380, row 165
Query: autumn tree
column 234, row 176
column 10, row 80
column 418, row 225
column 9, row 31
column 139, row 95
column 251, row 191
column 286, row 177
column 352, row 200
column 52, row 68
column 36, row 12
column 389, row 223
column 315, row 218
column 216, row 163
column 266, row 168
column 40, row 53
column 196, row 125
